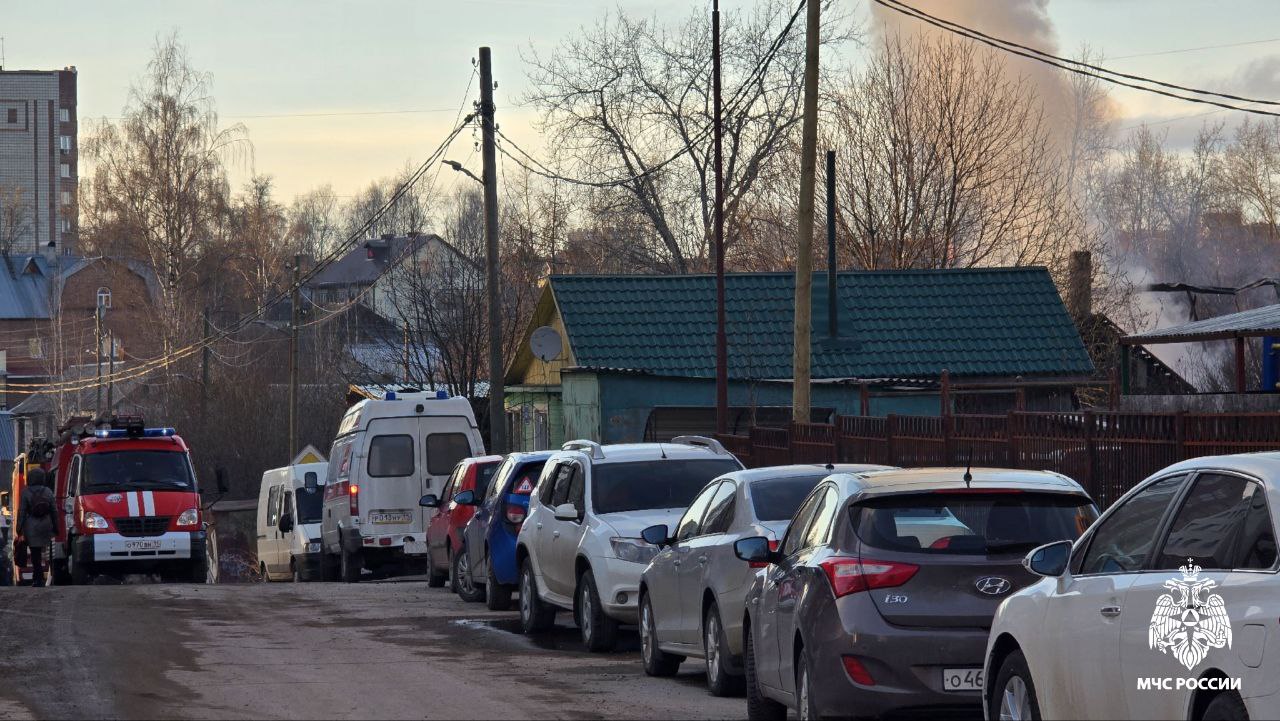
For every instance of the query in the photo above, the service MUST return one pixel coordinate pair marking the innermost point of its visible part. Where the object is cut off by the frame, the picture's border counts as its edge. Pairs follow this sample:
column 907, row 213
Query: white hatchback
column 580, row 546
column 1163, row 609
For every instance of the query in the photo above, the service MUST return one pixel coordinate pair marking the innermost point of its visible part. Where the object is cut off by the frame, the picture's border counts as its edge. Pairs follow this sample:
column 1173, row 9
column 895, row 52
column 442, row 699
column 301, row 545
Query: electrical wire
column 1192, row 50
column 1076, row 66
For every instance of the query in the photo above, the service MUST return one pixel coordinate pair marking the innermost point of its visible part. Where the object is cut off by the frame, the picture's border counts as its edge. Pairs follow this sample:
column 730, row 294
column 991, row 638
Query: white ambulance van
column 388, row 454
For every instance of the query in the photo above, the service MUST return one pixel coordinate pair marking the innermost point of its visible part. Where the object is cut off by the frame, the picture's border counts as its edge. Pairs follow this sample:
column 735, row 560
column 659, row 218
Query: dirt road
column 368, row 650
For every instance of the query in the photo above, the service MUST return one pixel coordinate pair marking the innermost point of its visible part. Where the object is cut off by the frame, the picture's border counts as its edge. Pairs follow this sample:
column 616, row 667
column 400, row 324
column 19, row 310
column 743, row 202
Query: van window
column 391, row 456
column 273, row 506
column 340, row 461
column 286, row 505
column 444, row 450
column 310, row 505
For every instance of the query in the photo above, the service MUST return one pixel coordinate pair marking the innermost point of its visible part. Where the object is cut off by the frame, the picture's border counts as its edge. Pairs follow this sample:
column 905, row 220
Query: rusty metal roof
column 1245, row 324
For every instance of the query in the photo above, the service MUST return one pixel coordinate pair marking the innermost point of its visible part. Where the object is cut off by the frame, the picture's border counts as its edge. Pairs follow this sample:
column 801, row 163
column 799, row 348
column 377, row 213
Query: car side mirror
column 310, row 481
column 465, row 498
column 430, row 500
column 566, row 512
column 656, row 535
column 220, row 478
column 286, row 523
column 753, row 550
column 1049, row 560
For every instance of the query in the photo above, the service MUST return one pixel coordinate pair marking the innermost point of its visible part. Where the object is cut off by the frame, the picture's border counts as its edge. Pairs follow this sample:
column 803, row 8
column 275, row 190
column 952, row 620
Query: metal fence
column 1106, row 451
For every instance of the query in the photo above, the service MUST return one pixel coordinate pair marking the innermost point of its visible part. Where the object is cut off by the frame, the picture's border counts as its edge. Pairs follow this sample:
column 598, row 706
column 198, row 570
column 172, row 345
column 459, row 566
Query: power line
column 1075, row 66
column 1192, row 50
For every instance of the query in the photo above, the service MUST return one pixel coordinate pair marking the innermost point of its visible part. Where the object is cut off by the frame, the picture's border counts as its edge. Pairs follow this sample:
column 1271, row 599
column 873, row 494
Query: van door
column 445, row 442
column 390, row 486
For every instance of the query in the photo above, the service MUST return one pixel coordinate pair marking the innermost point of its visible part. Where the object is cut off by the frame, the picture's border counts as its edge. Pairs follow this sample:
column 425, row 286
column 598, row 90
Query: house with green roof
column 637, row 353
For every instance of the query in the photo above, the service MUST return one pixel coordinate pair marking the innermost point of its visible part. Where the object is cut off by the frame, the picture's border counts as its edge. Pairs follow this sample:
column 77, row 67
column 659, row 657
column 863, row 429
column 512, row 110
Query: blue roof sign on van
column 391, row 395
column 442, row 394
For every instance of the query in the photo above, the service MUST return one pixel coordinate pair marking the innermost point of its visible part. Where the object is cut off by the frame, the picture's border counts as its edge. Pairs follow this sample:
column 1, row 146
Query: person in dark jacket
column 37, row 522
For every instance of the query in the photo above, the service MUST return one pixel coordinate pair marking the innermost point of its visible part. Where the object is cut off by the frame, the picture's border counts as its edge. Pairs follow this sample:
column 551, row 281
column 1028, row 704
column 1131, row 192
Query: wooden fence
column 1107, row 452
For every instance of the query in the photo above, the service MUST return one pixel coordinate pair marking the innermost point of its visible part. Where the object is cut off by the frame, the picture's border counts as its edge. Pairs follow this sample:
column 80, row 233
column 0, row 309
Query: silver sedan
column 692, row 593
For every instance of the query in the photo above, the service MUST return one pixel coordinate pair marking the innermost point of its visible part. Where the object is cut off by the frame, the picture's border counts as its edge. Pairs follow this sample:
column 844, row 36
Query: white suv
column 580, row 547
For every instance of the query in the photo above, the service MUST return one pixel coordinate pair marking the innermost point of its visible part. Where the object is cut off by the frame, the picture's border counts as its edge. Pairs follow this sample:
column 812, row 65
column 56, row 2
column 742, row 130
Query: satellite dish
column 545, row 344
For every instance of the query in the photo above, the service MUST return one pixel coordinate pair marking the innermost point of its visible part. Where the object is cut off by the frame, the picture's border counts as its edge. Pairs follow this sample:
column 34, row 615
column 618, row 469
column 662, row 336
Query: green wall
column 547, row 401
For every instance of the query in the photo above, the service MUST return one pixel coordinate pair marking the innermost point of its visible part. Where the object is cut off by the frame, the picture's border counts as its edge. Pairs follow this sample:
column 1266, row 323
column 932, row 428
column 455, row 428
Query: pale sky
column 306, row 58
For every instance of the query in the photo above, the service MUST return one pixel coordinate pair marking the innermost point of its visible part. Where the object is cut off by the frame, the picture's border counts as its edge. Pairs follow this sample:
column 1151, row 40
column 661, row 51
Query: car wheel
column 435, row 578
column 198, row 571
column 805, row 706
column 535, row 616
column 759, row 706
column 349, row 566
column 1014, row 697
column 463, row 584
column 296, row 575
column 1225, row 706
column 715, row 649
column 497, row 596
column 599, row 632
column 656, row 661
column 80, row 573
column 262, row 573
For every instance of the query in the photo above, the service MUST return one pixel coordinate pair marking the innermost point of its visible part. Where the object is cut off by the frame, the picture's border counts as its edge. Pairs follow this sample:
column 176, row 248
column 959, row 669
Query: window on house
column 66, row 197
column 35, row 347
column 104, row 297
column 65, row 170
column 64, row 115
column 13, row 115
column 64, row 143
column 66, row 225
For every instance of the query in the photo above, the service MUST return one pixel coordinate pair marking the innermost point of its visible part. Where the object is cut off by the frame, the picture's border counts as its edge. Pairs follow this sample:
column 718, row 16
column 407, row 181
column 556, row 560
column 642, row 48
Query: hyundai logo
column 993, row 585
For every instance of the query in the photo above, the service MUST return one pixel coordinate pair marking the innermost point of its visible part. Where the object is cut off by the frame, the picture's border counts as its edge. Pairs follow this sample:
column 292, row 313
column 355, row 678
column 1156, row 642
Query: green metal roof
column 893, row 324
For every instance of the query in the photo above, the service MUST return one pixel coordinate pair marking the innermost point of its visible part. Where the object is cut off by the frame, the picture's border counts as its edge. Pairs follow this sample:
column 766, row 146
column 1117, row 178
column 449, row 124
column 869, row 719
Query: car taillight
column 773, row 546
column 851, row 575
column 353, row 497
column 515, row 513
column 857, row 672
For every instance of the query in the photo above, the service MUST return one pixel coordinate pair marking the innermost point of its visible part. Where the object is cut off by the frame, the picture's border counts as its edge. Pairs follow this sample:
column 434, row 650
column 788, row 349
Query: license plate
column 142, row 545
column 961, row 679
column 401, row 517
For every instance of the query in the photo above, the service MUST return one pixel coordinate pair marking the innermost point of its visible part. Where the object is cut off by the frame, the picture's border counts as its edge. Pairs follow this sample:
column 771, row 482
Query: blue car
column 489, row 539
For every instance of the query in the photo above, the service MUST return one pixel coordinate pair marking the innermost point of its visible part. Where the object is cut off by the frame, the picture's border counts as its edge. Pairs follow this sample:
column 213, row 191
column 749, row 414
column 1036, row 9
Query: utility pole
column 800, row 359
column 97, row 341
column 722, row 341
column 497, row 415
column 833, row 317
column 204, row 365
column 111, row 368
column 295, row 298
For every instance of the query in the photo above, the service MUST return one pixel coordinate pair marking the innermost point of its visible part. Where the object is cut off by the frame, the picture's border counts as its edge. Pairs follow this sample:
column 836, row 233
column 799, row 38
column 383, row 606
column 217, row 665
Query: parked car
column 290, row 504
column 444, row 530
column 387, row 455
column 879, row 596
column 1161, row 610
column 489, row 539
column 580, row 547
column 692, row 593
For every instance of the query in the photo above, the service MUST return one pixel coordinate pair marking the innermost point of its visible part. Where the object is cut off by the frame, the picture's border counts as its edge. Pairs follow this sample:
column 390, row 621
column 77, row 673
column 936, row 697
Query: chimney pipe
column 1080, row 287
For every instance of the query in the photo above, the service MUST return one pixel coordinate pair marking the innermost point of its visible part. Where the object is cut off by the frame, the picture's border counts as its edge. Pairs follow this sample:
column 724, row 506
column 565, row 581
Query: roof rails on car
column 583, row 444
column 710, row 444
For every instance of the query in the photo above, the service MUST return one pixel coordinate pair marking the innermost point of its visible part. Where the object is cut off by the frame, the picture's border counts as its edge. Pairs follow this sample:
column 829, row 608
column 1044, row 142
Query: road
column 391, row 649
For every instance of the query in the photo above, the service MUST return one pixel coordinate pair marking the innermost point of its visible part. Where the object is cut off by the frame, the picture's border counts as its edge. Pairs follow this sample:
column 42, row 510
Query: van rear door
column 445, row 441
column 391, row 487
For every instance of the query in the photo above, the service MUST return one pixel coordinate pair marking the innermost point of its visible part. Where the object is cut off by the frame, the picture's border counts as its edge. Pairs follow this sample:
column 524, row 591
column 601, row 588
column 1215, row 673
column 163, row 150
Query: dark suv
column 880, row 597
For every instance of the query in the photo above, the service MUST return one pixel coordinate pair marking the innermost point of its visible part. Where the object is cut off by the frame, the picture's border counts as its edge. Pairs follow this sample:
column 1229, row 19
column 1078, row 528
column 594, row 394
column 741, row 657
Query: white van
column 388, row 454
column 290, row 503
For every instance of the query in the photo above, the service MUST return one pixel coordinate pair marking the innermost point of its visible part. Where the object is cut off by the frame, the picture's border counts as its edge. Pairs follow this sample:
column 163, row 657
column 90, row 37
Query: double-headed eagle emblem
column 1190, row 625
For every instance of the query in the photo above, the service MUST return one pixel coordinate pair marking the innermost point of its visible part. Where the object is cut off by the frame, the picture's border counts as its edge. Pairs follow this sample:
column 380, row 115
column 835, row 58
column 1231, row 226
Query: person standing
column 37, row 522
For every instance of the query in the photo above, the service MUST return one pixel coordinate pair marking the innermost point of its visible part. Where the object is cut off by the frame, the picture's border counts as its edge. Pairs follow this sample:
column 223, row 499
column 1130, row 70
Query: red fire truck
column 132, row 503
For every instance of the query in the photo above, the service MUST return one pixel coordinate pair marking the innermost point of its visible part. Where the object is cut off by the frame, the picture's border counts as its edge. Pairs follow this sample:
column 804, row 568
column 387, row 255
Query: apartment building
column 39, row 159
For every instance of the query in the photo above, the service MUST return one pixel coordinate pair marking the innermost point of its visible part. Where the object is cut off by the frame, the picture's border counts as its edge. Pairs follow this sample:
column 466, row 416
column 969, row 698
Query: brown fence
column 1106, row 451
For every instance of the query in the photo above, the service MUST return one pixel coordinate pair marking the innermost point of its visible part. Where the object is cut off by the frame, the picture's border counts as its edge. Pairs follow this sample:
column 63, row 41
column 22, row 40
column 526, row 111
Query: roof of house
column 358, row 268
column 8, row 440
column 26, row 286
column 997, row 322
column 1245, row 324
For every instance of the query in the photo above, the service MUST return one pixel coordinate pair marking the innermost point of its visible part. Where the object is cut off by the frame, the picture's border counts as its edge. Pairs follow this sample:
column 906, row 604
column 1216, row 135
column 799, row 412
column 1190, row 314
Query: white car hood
column 629, row 524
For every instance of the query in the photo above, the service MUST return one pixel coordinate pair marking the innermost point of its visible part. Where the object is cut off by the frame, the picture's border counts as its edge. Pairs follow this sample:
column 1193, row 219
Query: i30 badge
column 993, row 585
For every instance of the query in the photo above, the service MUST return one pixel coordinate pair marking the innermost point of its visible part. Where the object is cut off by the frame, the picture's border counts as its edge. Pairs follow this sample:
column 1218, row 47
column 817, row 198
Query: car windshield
column 484, row 476
column 972, row 523
column 777, row 499
column 136, row 471
column 310, row 503
column 645, row 485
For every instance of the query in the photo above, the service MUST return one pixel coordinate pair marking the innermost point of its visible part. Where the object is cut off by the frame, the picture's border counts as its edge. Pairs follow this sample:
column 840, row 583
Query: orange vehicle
column 39, row 454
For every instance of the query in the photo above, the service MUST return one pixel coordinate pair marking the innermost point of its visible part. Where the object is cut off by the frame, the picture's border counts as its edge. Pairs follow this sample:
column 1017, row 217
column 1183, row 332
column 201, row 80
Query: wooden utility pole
column 111, row 369
column 833, row 314
column 497, row 415
column 97, row 336
column 204, row 364
column 722, row 341
column 294, row 300
column 800, row 359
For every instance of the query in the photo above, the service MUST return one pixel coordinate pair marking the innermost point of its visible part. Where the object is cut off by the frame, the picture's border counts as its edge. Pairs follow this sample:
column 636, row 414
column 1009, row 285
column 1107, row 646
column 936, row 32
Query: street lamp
column 458, row 167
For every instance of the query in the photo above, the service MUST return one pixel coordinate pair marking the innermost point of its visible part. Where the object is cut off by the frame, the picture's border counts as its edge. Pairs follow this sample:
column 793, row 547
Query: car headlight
column 634, row 550
column 189, row 517
column 313, row 547
column 93, row 520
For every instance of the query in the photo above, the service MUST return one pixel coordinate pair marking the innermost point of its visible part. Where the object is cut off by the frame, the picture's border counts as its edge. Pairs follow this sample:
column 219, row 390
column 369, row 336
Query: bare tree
column 628, row 94
column 314, row 224
column 15, row 219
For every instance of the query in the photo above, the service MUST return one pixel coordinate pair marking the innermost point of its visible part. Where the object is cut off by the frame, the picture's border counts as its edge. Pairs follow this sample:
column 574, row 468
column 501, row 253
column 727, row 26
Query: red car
column 444, row 531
